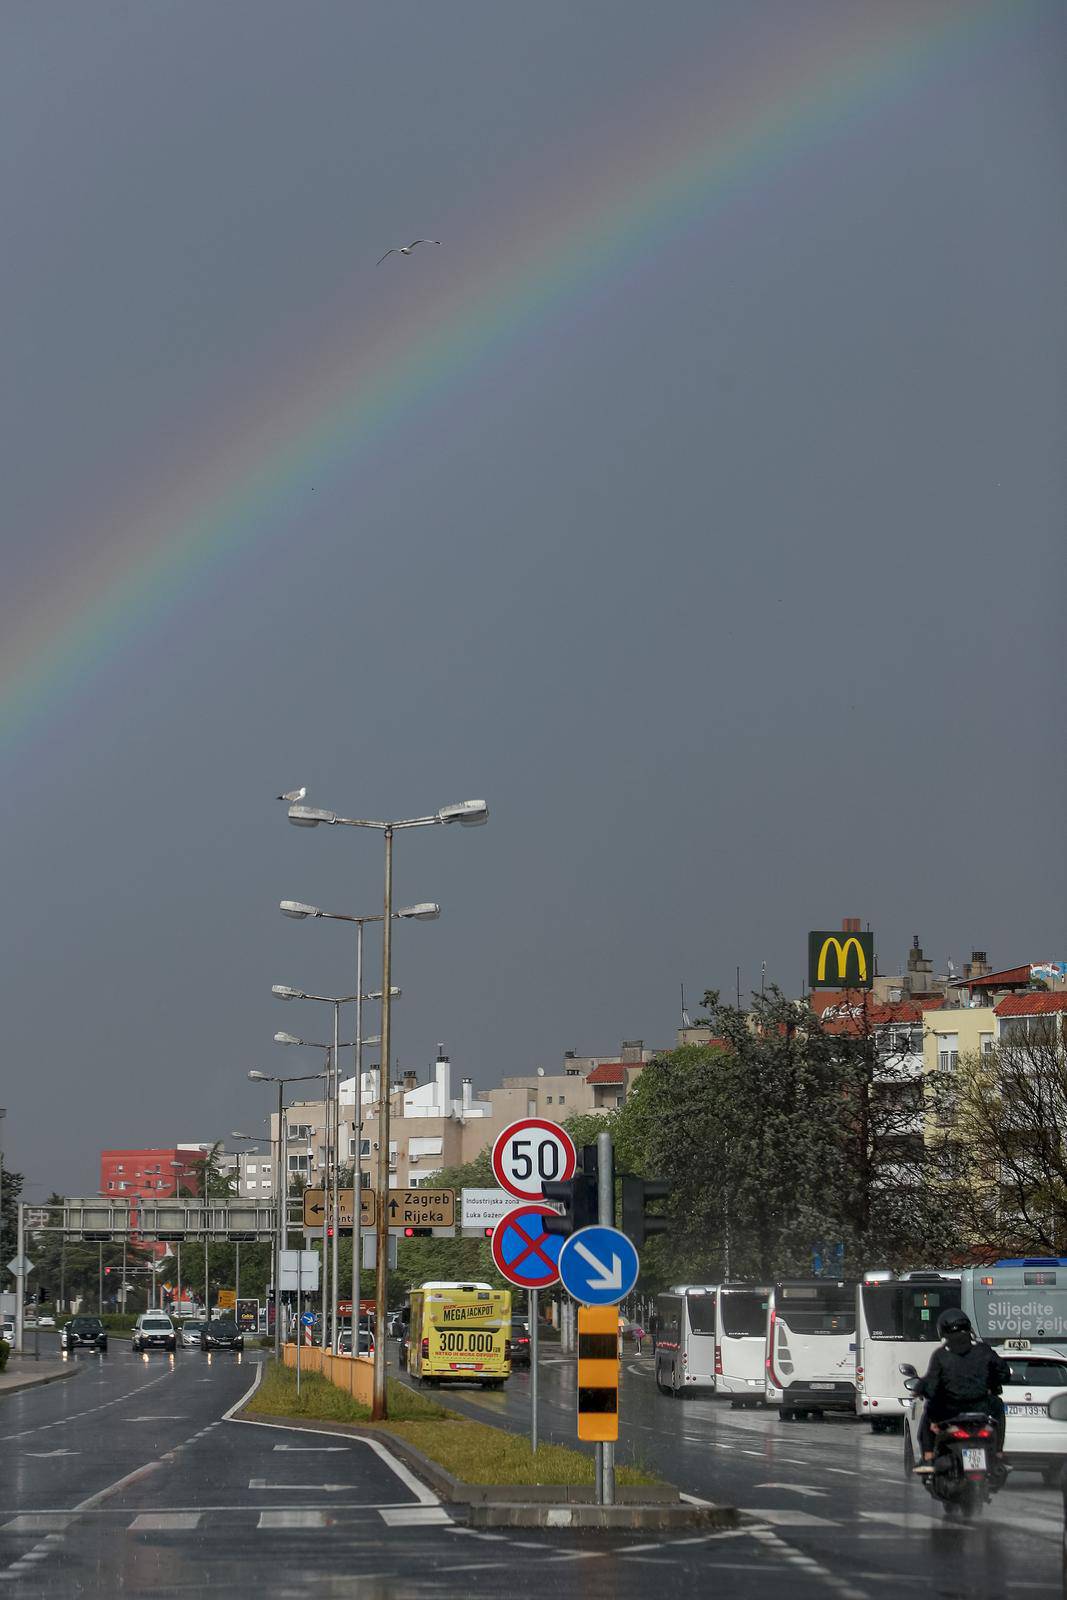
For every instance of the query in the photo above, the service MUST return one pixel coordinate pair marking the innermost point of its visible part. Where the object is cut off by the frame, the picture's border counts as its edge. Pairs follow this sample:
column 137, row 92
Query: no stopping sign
column 530, row 1153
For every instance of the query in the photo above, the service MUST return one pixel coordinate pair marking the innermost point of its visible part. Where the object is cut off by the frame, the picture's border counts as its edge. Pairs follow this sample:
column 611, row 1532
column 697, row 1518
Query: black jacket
column 953, row 1381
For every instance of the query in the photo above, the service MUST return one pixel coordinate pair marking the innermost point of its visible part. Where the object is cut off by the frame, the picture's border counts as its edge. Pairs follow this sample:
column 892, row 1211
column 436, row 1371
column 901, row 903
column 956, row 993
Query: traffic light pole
column 606, row 1217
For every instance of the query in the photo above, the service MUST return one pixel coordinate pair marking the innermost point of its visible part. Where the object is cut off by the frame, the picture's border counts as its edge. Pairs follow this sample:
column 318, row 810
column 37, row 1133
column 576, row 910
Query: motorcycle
column 966, row 1471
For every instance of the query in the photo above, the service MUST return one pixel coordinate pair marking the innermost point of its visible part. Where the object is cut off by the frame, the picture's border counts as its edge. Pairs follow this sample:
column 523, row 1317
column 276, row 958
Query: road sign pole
column 20, row 1279
column 606, row 1218
column 299, row 1313
column 532, row 1298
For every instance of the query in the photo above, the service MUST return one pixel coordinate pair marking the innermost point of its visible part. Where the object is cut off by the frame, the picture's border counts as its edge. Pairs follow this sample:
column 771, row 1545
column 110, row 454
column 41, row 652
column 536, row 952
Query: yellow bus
column 460, row 1333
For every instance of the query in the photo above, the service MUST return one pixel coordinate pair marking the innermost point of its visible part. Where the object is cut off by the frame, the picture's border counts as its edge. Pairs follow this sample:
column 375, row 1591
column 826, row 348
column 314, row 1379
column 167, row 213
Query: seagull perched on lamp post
column 294, row 796
column 405, row 249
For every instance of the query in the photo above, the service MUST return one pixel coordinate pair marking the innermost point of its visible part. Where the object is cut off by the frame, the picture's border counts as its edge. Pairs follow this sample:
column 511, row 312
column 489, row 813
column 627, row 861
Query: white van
column 810, row 1351
column 685, row 1339
column 740, row 1342
column 896, row 1323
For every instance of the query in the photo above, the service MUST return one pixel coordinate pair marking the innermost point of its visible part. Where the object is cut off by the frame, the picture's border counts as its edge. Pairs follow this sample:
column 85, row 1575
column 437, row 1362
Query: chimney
column 443, row 1073
column 850, row 925
column 410, row 1081
column 468, row 1094
column 633, row 1049
column 978, row 966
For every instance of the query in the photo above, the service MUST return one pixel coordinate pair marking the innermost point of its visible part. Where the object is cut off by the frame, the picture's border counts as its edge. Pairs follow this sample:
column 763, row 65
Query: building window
column 300, row 1130
column 563, row 1099
column 948, row 1051
column 364, row 1147
column 364, row 1180
column 549, row 1100
column 299, row 1163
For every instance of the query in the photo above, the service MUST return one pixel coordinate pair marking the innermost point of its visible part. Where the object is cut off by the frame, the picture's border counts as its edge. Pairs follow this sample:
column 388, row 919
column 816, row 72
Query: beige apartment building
column 431, row 1126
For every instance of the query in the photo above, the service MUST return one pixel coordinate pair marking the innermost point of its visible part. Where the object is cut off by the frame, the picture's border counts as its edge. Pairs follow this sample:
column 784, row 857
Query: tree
column 1001, row 1134
column 10, row 1194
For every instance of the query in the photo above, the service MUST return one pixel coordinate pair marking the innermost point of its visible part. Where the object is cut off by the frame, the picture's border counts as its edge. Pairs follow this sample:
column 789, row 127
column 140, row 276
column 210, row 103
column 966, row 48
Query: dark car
column 221, row 1334
column 83, row 1331
column 1057, row 1410
column 520, row 1344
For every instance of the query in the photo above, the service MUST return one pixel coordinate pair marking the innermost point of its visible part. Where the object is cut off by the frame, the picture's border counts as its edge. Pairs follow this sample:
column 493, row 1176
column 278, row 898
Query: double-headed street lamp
column 424, row 911
column 469, row 814
column 284, row 991
column 281, row 1238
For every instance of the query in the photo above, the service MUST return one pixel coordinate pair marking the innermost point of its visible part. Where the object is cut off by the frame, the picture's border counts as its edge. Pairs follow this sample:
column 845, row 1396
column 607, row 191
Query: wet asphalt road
column 128, row 1478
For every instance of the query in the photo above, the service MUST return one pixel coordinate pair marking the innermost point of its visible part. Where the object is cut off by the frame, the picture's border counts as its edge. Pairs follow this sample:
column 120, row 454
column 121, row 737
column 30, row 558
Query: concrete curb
column 488, row 1505
column 21, row 1383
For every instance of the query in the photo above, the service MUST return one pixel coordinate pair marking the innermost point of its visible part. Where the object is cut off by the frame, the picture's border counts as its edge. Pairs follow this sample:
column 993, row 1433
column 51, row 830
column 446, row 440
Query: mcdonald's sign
column 840, row 960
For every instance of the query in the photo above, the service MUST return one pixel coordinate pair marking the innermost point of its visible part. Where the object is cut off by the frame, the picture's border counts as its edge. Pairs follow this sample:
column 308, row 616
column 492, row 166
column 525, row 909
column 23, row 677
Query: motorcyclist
column 964, row 1375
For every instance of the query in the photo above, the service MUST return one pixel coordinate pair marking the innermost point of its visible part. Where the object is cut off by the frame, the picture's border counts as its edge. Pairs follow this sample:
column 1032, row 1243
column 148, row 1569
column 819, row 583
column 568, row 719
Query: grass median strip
column 474, row 1452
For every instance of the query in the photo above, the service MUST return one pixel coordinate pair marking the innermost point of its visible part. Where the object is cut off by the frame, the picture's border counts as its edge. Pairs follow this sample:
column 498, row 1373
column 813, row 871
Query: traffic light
column 636, row 1194
column 578, row 1194
column 418, row 1233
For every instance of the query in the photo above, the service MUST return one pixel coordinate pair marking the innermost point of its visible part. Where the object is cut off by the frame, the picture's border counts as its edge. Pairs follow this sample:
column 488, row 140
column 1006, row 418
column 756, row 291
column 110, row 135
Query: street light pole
column 469, row 814
column 381, row 1265
column 357, row 1129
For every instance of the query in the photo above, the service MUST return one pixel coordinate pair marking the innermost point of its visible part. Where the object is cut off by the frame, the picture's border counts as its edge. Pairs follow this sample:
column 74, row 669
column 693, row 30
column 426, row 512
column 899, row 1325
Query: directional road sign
column 524, row 1253
column 421, row 1208
column 530, row 1152
column 19, row 1266
column 598, row 1266
column 315, row 1206
column 483, row 1208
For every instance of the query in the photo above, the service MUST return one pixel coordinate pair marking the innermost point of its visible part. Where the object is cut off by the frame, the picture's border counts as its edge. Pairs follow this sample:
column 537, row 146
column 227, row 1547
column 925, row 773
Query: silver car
column 189, row 1333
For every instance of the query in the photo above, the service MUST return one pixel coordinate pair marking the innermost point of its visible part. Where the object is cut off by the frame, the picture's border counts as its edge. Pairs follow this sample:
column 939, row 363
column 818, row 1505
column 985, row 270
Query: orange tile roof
column 1038, row 1003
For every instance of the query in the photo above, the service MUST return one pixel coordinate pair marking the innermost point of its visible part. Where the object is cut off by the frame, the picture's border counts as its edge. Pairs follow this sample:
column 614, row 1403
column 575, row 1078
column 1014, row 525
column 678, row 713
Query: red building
column 149, row 1174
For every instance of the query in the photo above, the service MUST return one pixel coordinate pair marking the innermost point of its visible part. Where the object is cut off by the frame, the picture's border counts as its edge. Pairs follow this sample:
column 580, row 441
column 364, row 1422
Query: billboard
column 840, row 960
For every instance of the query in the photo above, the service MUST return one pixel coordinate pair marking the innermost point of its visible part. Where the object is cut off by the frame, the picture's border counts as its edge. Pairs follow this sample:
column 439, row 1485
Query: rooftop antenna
column 686, row 1020
column 739, row 988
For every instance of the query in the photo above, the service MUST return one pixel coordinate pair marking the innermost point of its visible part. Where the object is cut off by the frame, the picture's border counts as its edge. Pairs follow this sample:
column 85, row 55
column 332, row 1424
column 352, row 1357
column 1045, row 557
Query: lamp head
column 285, row 1038
column 309, row 816
column 468, row 813
column 282, row 991
column 425, row 911
column 297, row 909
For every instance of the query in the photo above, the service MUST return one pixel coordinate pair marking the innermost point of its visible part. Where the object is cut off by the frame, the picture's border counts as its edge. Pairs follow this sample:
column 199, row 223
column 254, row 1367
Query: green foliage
column 10, row 1194
column 781, row 1139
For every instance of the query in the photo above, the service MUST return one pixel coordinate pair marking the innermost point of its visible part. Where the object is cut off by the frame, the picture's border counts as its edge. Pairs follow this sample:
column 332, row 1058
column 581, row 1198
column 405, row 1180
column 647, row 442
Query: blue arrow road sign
column 598, row 1266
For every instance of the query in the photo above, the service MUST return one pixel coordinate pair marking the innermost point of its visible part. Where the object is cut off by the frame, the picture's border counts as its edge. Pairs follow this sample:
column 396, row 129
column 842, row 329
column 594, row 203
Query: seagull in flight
column 294, row 796
column 405, row 249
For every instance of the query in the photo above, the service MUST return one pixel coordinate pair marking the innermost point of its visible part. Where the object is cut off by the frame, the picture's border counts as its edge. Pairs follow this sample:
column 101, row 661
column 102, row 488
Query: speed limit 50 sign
column 530, row 1153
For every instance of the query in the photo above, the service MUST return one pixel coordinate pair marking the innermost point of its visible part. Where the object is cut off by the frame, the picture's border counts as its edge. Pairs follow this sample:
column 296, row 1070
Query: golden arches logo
column 841, row 951
column 843, row 960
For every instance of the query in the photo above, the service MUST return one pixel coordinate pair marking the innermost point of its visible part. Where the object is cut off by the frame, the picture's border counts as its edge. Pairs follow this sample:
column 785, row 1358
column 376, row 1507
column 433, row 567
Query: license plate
column 1026, row 1411
column 821, row 1386
column 974, row 1460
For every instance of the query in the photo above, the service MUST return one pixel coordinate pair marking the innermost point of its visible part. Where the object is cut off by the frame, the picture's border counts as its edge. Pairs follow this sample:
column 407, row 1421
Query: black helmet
column 953, row 1321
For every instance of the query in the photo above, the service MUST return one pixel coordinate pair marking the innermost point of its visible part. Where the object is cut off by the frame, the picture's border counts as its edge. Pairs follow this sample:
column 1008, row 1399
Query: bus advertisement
column 459, row 1333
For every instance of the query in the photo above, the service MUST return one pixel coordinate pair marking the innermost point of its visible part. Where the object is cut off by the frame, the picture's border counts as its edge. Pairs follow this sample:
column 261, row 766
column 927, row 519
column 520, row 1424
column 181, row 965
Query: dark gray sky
column 712, row 532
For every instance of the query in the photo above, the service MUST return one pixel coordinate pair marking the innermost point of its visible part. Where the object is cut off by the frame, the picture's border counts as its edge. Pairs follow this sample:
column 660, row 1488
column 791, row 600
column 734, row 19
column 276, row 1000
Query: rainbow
column 609, row 218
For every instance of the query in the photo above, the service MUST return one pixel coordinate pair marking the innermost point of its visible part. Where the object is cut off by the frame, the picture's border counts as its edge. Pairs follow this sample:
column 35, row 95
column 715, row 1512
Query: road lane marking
column 291, row 1519
column 422, row 1494
column 787, row 1518
column 771, row 1541
column 313, row 1449
column 37, row 1522
column 415, row 1517
column 164, row 1521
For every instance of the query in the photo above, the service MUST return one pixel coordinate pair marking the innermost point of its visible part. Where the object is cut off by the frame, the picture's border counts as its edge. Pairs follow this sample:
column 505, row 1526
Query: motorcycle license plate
column 821, row 1386
column 974, row 1460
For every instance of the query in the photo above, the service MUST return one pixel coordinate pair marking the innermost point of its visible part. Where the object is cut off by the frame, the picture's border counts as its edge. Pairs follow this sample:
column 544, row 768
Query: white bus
column 740, row 1339
column 1020, row 1303
column 685, row 1339
column 896, row 1322
column 810, row 1353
